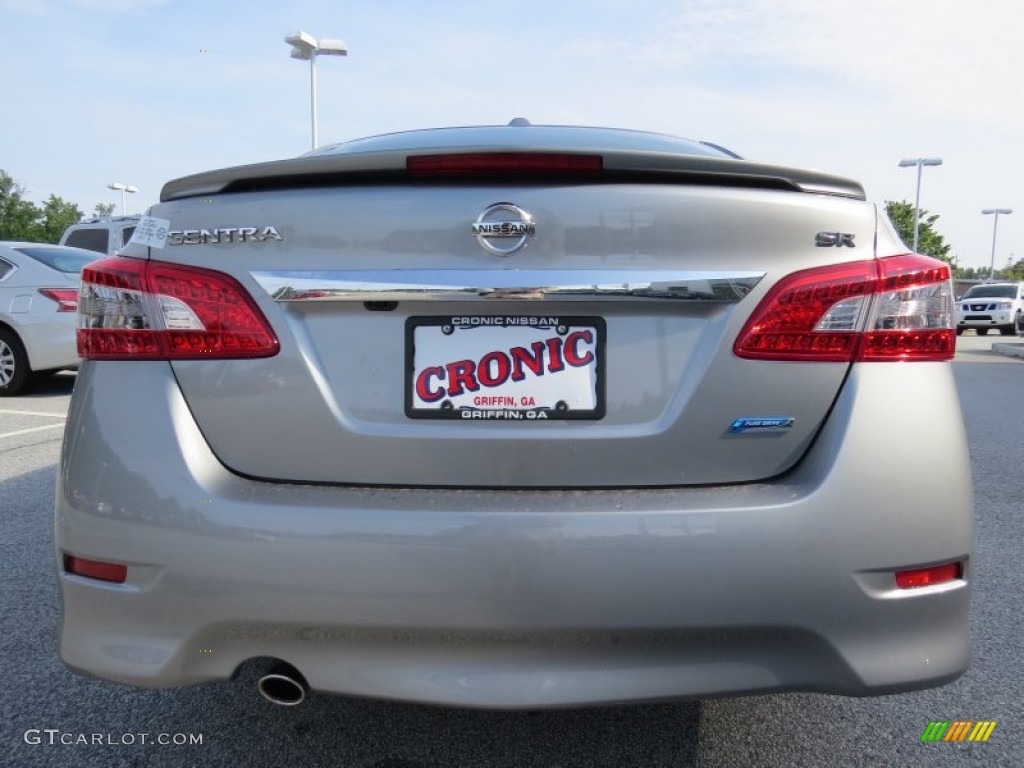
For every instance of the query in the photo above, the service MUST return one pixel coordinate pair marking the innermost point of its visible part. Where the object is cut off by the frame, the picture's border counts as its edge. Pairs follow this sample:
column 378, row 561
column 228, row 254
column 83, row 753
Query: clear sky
column 143, row 91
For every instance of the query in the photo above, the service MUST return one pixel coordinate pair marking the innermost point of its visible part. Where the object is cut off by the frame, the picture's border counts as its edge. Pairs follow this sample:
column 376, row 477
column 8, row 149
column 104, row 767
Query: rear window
column 70, row 260
column 992, row 291
column 552, row 137
column 91, row 239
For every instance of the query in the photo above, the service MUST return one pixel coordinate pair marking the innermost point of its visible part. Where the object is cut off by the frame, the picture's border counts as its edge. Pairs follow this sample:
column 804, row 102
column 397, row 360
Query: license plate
column 504, row 367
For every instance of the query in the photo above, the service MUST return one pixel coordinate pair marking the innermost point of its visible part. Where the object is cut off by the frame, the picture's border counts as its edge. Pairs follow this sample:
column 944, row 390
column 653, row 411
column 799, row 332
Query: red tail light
column 131, row 309
column 504, row 163
column 66, row 298
column 896, row 308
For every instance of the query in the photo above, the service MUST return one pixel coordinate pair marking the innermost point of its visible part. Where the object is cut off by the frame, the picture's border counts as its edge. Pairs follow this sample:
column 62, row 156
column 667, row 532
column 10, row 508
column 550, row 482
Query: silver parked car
column 517, row 416
column 38, row 300
column 102, row 234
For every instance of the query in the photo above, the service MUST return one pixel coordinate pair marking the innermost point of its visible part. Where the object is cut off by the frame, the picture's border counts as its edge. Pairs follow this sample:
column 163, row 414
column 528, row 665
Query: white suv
column 993, row 305
column 103, row 235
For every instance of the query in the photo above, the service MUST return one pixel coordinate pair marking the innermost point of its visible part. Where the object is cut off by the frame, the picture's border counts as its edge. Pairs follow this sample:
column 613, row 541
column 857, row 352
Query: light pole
column 918, row 161
column 994, row 212
column 124, row 198
column 305, row 46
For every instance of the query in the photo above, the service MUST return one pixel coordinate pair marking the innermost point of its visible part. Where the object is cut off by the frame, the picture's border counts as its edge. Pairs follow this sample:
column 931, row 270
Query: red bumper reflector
column 95, row 569
column 929, row 577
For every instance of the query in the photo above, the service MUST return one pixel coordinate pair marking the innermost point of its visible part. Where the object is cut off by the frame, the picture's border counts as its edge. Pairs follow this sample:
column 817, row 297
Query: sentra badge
column 223, row 235
column 503, row 228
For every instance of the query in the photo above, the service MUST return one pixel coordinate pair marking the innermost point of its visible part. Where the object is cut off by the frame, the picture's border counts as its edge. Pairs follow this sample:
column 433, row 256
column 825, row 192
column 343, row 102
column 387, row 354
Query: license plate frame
column 569, row 352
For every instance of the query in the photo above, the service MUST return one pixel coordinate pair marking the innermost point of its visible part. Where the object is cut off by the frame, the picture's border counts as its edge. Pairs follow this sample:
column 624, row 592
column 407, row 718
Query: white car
column 993, row 305
column 38, row 301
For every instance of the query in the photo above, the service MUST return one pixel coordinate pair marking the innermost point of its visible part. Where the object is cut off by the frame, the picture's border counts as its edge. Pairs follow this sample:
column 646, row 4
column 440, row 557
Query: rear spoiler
column 616, row 166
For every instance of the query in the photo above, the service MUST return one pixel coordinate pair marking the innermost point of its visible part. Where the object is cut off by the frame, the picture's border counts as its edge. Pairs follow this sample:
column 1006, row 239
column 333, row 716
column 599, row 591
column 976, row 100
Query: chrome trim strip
column 515, row 284
column 13, row 268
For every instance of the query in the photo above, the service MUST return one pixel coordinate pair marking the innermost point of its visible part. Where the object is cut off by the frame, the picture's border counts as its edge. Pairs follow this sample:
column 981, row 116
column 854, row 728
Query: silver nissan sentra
column 516, row 417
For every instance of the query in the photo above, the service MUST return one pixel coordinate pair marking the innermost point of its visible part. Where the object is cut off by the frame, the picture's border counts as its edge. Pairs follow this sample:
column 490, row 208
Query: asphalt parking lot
column 47, row 711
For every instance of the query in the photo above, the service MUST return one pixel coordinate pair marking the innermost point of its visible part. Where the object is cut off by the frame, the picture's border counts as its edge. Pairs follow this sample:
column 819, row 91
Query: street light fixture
column 305, row 46
column 918, row 161
column 995, row 226
column 125, row 188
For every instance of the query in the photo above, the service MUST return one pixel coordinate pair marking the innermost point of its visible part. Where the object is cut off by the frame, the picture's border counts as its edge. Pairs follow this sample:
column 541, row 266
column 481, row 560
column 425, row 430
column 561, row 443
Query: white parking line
column 33, row 429
column 34, row 413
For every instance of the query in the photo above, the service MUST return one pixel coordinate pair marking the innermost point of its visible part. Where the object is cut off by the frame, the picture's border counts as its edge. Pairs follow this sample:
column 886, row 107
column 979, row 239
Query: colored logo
column 762, row 424
column 958, row 730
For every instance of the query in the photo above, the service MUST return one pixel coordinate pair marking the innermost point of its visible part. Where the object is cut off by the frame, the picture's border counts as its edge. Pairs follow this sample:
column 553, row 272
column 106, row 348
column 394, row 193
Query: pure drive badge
column 761, row 424
column 503, row 228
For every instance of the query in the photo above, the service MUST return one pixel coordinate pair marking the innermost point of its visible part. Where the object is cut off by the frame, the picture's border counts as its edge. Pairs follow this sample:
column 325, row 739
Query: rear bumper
column 520, row 598
column 986, row 319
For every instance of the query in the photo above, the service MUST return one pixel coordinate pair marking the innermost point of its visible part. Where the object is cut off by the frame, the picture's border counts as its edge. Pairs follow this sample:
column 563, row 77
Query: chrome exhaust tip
column 283, row 685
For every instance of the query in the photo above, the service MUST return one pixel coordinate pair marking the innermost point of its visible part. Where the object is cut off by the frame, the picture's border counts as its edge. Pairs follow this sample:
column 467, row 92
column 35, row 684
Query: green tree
column 21, row 219
column 57, row 216
column 971, row 273
column 18, row 216
column 930, row 242
column 104, row 210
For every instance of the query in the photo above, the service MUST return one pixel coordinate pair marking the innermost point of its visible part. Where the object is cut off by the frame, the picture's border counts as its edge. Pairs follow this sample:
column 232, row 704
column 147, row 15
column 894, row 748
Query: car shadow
column 61, row 383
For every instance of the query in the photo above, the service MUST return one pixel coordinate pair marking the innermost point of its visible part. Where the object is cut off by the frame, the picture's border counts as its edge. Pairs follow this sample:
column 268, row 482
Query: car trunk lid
column 658, row 277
